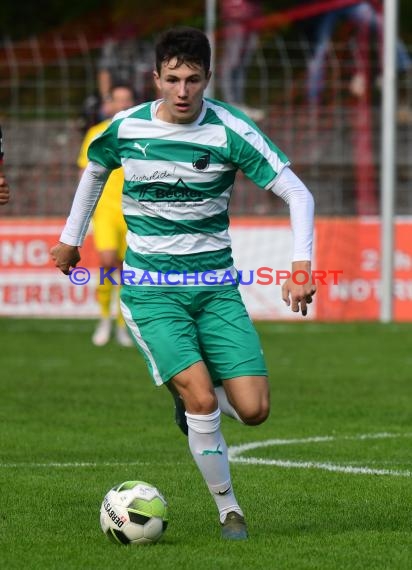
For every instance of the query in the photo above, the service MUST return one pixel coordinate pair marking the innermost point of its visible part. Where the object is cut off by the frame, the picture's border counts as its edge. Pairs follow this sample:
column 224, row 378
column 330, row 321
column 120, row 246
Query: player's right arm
column 103, row 158
column 66, row 253
column 65, row 256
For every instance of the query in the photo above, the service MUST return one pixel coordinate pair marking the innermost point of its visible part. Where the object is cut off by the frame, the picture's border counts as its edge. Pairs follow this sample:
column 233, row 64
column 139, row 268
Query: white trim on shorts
column 139, row 339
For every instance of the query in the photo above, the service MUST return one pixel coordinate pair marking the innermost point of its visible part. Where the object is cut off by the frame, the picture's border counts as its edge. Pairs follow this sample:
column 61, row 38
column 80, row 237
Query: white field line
column 73, row 464
column 235, row 455
column 82, row 464
column 323, row 466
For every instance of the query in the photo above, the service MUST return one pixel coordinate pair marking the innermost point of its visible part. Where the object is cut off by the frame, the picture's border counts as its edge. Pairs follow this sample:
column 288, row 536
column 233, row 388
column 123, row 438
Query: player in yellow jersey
column 109, row 227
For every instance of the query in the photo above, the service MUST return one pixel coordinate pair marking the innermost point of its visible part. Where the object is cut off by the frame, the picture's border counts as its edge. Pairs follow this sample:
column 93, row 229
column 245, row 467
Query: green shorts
column 176, row 329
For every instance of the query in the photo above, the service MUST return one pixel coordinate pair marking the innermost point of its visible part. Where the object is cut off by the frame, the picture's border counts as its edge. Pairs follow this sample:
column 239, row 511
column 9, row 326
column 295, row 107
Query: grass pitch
column 76, row 419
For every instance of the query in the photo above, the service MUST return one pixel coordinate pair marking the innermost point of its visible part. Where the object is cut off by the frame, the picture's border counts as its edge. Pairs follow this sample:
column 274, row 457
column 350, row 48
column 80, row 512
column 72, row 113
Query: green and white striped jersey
column 178, row 183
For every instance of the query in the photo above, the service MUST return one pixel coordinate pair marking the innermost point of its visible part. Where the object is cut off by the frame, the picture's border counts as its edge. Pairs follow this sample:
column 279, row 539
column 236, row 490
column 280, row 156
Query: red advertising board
column 30, row 285
column 353, row 246
column 346, row 252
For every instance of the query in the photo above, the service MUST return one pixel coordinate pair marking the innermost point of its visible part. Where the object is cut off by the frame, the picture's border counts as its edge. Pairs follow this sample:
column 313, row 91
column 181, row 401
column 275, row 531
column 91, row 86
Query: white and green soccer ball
column 134, row 512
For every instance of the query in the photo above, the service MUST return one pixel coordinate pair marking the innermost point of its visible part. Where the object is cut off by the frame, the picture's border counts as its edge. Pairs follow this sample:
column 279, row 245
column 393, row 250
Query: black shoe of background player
column 180, row 410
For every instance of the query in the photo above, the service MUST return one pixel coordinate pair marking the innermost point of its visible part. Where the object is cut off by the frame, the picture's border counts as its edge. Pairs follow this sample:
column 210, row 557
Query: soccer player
column 180, row 155
column 109, row 227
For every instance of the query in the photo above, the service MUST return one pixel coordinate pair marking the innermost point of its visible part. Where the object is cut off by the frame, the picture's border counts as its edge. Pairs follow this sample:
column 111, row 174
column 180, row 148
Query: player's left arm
column 298, row 290
column 266, row 165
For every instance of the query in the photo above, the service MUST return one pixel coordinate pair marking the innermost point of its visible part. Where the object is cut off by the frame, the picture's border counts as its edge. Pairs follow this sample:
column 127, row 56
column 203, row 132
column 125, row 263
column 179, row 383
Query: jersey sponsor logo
column 162, row 192
column 141, row 148
column 155, row 175
column 201, row 159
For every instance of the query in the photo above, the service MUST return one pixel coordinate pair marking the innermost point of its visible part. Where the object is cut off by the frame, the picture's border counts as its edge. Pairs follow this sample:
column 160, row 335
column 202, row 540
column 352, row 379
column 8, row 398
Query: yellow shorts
column 109, row 230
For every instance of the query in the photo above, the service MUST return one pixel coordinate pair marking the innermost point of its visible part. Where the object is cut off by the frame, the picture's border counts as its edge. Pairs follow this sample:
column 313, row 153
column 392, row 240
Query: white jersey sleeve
column 301, row 206
column 87, row 195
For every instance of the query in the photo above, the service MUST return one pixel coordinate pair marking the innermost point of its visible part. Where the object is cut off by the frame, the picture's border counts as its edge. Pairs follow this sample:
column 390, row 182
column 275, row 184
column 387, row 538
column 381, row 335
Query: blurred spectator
column 367, row 16
column 239, row 45
column 124, row 59
column 109, row 227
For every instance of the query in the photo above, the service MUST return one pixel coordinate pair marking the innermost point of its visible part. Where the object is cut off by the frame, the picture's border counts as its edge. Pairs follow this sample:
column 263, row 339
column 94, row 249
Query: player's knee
column 203, row 403
column 255, row 415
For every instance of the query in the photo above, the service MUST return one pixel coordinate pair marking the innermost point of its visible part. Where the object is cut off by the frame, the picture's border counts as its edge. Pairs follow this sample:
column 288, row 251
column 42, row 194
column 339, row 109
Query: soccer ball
column 133, row 512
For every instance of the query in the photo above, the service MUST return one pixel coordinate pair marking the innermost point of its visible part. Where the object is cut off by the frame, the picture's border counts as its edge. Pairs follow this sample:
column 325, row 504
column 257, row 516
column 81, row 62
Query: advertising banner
column 346, row 265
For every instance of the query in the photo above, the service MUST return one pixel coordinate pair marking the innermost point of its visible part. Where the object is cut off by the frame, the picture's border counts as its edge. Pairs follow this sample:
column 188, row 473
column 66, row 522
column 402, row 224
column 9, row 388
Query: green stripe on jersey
column 151, row 226
column 191, row 263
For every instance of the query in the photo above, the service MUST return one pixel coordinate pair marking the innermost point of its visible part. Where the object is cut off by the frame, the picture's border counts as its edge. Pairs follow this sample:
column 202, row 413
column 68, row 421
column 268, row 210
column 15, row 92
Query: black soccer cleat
column 234, row 527
column 180, row 410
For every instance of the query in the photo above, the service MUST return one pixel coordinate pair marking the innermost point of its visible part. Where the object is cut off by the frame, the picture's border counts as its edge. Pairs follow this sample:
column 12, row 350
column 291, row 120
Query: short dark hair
column 187, row 45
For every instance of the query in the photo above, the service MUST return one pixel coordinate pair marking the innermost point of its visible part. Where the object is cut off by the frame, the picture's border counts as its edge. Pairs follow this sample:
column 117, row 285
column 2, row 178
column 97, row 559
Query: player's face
column 182, row 89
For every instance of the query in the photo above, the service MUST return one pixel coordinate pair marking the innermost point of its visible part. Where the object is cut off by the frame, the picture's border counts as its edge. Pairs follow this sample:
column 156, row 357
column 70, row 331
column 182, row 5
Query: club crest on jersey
column 201, row 159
